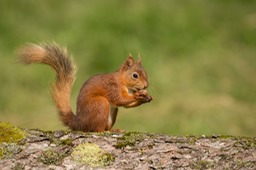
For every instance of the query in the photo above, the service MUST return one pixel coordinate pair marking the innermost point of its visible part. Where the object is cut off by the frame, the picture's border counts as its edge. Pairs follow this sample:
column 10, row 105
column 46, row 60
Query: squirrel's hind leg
column 95, row 114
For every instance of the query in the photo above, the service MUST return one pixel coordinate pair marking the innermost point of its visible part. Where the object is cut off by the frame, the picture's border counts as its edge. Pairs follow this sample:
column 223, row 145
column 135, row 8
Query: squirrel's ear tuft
column 139, row 59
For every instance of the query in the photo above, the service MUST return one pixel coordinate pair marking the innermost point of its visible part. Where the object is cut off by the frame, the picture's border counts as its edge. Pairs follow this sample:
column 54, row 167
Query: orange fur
column 99, row 97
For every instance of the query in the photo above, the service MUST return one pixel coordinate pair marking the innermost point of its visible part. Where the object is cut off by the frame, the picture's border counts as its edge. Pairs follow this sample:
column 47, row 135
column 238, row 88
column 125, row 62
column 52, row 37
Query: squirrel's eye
column 135, row 75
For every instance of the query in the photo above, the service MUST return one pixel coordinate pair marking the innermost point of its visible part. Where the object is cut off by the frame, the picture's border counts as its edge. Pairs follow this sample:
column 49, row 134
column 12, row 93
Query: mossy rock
column 9, row 137
column 10, row 133
column 129, row 139
column 9, row 150
column 51, row 156
column 92, row 155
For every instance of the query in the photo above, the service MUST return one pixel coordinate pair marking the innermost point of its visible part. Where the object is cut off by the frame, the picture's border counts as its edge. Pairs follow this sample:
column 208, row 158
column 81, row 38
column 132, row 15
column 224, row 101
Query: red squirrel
column 99, row 97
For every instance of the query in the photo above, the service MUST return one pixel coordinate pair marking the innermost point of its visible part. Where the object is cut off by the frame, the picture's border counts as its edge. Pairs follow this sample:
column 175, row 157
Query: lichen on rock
column 92, row 155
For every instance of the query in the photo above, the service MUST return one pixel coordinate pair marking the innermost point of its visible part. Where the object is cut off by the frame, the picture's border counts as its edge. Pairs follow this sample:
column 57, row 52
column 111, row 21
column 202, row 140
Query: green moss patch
column 92, row 155
column 51, row 156
column 202, row 164
column 129, row 139
column 9, row 150
column 9, row 137
column 10, row 133
column 1, row 153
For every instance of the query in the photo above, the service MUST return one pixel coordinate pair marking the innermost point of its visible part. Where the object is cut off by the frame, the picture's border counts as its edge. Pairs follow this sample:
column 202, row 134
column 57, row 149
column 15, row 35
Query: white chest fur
column 112, row 116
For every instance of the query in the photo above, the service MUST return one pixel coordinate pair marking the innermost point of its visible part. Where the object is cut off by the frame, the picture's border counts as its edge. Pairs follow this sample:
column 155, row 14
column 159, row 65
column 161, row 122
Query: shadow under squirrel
column 99, row 97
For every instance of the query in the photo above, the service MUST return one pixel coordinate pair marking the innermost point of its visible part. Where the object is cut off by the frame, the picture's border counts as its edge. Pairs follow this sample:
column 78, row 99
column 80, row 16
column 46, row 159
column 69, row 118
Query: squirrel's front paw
column 143, row 96
column 149, row 98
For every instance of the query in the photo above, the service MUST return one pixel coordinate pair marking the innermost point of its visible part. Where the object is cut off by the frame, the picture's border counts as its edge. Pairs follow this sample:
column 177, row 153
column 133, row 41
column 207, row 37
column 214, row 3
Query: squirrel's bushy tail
column 65, row 69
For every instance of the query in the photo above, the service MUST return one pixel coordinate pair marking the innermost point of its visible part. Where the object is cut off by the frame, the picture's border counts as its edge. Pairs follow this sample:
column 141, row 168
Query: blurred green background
column 200, row 56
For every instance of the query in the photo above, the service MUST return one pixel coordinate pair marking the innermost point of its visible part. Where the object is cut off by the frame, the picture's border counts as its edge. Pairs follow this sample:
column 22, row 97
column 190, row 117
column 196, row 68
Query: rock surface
column 129, row 150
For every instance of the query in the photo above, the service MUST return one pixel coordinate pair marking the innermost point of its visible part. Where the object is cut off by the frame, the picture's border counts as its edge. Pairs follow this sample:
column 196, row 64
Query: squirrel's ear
column 129, row 62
